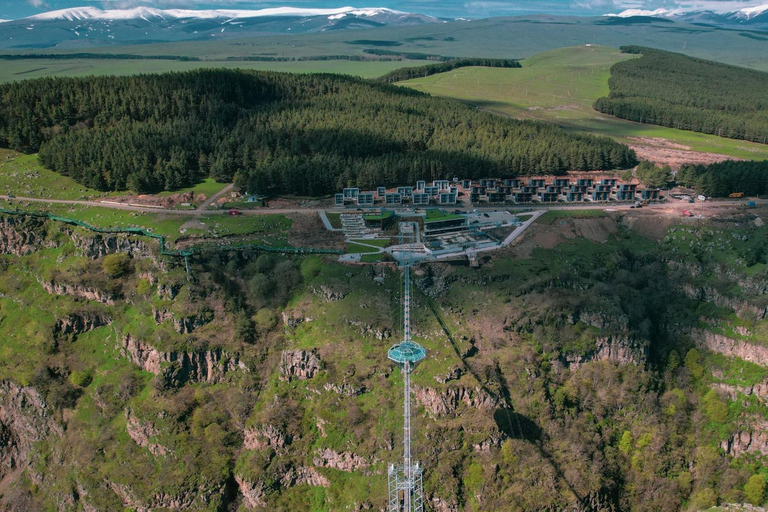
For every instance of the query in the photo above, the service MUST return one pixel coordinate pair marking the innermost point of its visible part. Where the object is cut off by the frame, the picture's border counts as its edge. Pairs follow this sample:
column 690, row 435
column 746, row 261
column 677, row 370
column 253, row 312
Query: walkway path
column 327, row 222
column 208, row 202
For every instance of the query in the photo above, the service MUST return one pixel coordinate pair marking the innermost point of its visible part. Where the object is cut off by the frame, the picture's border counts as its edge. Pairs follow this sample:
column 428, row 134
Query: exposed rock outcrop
column 99, row 245
column 265, row 436
column 82, row 292
column 444, row 402
column 167, row 291
column 197, row 499
column 758, row 390
column 183, row 324
column 253, row 492
column 345, row 389
column 78, row 323
column 620, row 349
column 443, row 505
column 454, row 373
column 328, row 295
column 753, row 440
column 21, row 235
column 179, row 367
column 24, row 420
column 603, row 320
column 381, row 333
column 299, row 364
column 344, row 461
column 303, row 475
column 708, row 340
column 142, row 432
column 711, row 294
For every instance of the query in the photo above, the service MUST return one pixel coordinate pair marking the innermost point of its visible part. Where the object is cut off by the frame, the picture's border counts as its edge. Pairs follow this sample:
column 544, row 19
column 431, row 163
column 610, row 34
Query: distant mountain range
column 89, row 27
column 83, row 27
column 750, row 18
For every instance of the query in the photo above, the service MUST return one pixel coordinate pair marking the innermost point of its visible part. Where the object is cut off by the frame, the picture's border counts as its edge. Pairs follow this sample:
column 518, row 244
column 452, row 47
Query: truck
column 736, row 195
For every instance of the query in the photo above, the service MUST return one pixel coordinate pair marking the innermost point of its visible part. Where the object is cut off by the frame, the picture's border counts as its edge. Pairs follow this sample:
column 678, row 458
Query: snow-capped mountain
column 90, row 26
column 753, row 18
column 149, row 13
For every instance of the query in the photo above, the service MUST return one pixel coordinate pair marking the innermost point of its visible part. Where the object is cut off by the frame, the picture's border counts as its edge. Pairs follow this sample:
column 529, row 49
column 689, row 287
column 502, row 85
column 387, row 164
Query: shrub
column 755, row 489
column 116, row 265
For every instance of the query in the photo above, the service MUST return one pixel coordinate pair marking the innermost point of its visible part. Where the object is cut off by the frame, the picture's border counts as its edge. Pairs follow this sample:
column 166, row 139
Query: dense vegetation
column 723, row 178
column 401, row 74
column 560, row 379
column 275, row 133
column 674, row 90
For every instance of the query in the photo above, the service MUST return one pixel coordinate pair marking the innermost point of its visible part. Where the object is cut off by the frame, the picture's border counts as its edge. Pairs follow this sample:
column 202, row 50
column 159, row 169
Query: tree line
column 677, row 91
column 724, row 178
column 100, row 56
column 275, row 133
column 398, row 75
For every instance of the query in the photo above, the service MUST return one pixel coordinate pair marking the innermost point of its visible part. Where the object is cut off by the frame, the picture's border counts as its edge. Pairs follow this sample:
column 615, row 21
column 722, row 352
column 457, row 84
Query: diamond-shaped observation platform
column 407, row 352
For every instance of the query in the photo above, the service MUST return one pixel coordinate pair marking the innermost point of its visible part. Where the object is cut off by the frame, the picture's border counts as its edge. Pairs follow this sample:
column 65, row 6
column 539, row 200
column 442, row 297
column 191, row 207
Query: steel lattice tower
column 406, row 493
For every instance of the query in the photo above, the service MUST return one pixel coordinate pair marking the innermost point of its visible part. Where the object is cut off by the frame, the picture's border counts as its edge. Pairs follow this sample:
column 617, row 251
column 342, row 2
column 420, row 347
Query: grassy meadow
column 559, row 87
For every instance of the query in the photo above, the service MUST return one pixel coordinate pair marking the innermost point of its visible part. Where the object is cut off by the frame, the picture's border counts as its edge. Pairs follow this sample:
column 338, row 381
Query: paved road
column 269, row 211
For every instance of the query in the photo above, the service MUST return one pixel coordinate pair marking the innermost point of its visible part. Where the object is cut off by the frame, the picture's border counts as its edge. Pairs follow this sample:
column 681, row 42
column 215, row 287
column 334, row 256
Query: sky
column 14, row 9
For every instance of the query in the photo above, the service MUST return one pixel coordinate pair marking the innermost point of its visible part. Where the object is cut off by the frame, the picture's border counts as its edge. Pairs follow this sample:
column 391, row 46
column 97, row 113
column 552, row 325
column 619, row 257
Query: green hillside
column 674, row 90
column 260, row 382
column 560, row 87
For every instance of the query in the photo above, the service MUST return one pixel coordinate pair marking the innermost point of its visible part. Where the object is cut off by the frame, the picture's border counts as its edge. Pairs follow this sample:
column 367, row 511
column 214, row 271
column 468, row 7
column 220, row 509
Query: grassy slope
column 560, row 86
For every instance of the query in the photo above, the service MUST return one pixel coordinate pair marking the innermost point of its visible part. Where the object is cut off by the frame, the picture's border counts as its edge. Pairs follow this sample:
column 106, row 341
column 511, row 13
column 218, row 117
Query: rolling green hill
column 560, row 86
column 674, row 90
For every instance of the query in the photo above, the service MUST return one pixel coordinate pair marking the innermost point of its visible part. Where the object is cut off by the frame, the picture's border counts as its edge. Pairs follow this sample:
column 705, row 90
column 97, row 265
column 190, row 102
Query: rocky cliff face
column 21, row 235
column 344, row 461
column 142, row 432
column 197, row 499
column 24, row 420
column 619, row 348
column 299, row 364
column 180, row 367
column 79, row 291
column 602, row 320
column 265, row 436
column 99, row 245
column 254, row 493
column 183, row 324
column 757, row 354
column 445, row 402
column 303, row 475
column 752, row 440
column 711, row 294
column 759, row 390
column 78, row 323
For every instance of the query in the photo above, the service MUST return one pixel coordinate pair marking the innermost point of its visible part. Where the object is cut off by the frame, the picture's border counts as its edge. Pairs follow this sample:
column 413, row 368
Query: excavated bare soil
column 308, row 231
column 664, row 152
column 547, row 236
